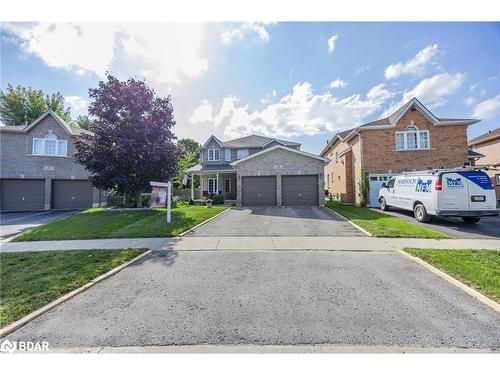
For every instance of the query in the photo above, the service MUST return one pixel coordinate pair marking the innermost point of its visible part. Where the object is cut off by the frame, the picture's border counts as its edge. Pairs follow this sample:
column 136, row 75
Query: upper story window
column 227, row 154
column 213, row 154
column 242, row 153
column 412, row 139
column 50, row 146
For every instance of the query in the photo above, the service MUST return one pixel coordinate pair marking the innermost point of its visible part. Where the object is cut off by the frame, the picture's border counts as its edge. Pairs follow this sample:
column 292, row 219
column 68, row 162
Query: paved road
column 269, row 297
column 12, row 223
column 487, row 227
column 277, row 221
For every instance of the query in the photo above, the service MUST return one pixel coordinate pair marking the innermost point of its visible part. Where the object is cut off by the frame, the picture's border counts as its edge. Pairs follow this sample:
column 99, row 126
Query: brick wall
column 448, row 147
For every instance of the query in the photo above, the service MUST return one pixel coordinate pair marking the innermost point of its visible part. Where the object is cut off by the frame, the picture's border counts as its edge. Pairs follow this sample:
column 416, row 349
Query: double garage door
column 297, row 190
column 29, row 194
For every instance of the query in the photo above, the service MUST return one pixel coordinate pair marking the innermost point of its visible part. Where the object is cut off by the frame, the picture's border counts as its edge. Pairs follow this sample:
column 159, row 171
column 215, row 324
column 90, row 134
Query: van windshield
column 390, row 184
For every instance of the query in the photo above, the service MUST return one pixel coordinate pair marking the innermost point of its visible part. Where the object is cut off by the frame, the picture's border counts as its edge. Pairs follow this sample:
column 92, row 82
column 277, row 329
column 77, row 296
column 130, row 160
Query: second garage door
column 22, row 195
column 258, row 191
column 300, row 190
column 71, row 194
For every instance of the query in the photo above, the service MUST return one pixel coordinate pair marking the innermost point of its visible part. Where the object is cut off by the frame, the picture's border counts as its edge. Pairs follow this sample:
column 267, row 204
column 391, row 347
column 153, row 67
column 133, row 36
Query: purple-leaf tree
column 132, row 142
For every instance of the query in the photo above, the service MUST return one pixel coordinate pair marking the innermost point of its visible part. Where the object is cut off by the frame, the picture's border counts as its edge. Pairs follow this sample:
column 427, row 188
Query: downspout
column 362, row 160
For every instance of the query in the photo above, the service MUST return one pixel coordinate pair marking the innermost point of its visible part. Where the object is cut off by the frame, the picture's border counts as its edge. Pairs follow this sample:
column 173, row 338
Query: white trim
column 405, row 140
column 213, row 151
column 274, row 140
column 214, row 184
column 56, row 117
column 283, row 148
column 43, row 144
column 423, row 110
column 209, row 139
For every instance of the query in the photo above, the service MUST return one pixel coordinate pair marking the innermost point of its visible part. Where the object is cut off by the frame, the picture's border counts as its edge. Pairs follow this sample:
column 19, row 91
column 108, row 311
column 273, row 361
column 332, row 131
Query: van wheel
column 383, row 204
column 471, row 220
column 420, row 213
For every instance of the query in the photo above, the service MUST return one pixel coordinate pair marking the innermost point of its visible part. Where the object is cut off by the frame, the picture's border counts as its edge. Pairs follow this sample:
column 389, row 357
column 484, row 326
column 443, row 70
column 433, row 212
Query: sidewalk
column 255, row 243
column 116, row 243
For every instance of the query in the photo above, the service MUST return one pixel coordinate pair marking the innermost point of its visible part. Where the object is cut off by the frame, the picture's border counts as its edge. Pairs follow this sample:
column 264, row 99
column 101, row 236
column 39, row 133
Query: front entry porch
column 223, row 183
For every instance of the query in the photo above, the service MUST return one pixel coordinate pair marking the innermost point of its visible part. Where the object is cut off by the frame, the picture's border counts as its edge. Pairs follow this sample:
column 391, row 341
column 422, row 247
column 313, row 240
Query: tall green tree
column 22, row 105
column 84, row 122
column 190, row 157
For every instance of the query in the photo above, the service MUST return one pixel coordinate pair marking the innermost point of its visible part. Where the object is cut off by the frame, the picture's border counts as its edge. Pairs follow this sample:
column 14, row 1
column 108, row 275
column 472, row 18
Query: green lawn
column 381, row 225
column 30, row 280
column 479, row 269
column 101, row 223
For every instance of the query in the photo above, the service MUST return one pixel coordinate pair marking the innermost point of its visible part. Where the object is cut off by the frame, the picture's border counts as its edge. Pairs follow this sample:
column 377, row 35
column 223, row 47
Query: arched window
column 412, row 139
column 50, row 146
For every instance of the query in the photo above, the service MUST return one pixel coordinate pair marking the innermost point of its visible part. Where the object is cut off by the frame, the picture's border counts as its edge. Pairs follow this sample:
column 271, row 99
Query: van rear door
column 454, row 195
column 481, row 192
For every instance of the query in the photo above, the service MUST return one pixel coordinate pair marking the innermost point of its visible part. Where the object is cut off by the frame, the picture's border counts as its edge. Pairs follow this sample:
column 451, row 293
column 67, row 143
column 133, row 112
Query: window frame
column 227, row 187
column 238, row 157
column 211, row 152
column 214, row 185
column 417, row 134
column 43, row 144
column 227, row 154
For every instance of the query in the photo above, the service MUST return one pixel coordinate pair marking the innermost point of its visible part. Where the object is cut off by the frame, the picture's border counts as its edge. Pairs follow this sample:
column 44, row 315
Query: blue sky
column 298, row 81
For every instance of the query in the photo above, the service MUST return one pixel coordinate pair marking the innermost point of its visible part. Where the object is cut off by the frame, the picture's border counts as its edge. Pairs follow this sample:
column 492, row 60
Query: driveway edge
column 472, row 292
column 202, row 223
column 350, row 222
column 28, row 318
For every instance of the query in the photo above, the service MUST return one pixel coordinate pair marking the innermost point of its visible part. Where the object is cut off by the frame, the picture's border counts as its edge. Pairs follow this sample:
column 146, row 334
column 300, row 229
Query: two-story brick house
column 259, row 171
column 38, row 170
column 410, row 139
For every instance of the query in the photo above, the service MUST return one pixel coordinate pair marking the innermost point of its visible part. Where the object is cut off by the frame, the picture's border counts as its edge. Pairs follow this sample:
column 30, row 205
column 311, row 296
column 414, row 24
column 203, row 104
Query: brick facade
column 18, row 161
column 374, row 151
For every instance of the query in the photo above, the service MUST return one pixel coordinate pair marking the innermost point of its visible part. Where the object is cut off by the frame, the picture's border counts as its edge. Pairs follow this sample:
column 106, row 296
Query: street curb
column 28, row 318
column 202, row 223
column 472, row 292
column 350, row 222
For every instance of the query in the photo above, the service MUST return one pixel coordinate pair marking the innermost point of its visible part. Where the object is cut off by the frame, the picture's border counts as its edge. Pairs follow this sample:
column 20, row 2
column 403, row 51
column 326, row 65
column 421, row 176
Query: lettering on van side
column 423, row 186
column 454, row 183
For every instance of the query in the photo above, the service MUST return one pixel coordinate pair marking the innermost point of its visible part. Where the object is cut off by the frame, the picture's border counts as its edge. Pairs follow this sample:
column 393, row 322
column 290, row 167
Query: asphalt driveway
column 269, row 297
column 13, row 223
column 277, row 221
column 487, row 227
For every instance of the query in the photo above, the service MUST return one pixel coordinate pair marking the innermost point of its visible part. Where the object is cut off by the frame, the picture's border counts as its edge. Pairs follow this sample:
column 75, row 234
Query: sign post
column 161, row 196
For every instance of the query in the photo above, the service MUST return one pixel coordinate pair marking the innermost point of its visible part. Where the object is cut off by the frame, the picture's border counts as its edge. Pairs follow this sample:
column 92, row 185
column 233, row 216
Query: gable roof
column 490, row 135
column 391, row 121
column 254, row 141
column 70, row 129
column 214, row 138
column 282, row 148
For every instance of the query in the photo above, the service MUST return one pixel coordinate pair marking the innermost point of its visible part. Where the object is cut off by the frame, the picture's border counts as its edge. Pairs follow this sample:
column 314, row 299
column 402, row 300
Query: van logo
column 423, row 186
column 454, row 183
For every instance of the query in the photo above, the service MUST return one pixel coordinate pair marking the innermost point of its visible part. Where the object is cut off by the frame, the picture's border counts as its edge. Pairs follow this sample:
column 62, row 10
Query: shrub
column 218, row 199
column 191, row 202
column 146, row 200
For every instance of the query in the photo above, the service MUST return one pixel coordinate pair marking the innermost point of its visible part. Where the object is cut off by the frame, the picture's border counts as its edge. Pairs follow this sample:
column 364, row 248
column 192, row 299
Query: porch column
column 192, row 187
column 217, row 189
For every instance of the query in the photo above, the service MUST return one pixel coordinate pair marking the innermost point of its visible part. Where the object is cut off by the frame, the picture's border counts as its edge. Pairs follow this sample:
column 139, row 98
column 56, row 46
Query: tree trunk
column 138, row 200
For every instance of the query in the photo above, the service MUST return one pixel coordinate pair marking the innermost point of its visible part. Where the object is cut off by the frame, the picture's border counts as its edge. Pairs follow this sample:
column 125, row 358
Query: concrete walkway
column 255, row 243
column 117, row 243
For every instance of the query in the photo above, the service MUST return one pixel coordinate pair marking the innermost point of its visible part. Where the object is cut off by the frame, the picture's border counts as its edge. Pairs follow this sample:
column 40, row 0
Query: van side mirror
column 384, row 185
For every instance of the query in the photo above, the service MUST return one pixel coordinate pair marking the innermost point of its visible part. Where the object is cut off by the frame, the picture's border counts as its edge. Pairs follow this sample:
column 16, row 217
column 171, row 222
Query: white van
column 464, row 193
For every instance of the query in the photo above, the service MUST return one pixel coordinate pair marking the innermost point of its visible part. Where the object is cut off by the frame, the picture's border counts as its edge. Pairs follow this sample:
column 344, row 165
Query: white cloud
column 473, row 87
column 338, row 83
column 361, row 69
column 414, row 66
column 469, row 101
column 300, row 112
column 238, row 32
column 202, row 113
column 78, row 104
column 331, row 43
column 432, row 92
column 488, row 108
column 161, row 53
column 269, row 97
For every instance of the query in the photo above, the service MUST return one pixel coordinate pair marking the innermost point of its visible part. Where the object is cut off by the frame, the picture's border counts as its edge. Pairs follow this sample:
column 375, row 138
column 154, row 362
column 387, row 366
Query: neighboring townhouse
column 38, row 170
column 486, row 151
column 410, row 139
column 259, row 171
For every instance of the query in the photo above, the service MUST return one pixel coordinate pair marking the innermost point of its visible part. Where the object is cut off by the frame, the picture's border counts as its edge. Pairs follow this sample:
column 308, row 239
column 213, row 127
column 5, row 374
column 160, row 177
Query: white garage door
column 376, row 181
